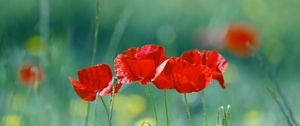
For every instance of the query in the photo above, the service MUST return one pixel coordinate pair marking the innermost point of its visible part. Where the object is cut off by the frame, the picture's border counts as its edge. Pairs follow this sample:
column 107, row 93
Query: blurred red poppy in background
column 138, row 64
column 212, row 59
column 93, row 81
column 240, row 38
column 31, row 73
column 179, row 74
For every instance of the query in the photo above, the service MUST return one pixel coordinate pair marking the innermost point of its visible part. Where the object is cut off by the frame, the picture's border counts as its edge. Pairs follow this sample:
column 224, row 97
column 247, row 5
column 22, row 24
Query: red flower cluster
column 191, row 72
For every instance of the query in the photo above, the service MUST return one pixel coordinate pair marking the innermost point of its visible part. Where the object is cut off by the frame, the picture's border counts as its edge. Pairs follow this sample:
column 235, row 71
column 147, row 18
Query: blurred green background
column 58, row 35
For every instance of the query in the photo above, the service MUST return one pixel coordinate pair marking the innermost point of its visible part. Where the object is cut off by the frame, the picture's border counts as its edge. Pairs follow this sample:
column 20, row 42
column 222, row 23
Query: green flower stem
column 188, row 110
column 95, row 110
column 218, row 116
column 287, row 111
column 153, row 103
column 87, row 115
column 97, row 23
column 225, row 118
column 204, row 108
column 273, row 95
column 105, row 107
column 166, row 107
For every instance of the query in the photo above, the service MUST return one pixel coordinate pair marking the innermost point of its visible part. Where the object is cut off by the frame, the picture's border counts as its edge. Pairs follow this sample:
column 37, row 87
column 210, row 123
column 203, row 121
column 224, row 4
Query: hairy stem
column 112, row 106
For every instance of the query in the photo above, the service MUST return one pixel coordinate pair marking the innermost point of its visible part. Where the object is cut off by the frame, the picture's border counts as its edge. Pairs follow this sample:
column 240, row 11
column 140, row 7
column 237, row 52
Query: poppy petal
column 153, row 52
column 96, row 77
column 182, row 75
column 82, row 91
column 123, row 71
column 162, row 79
column 222, row 64
column 198, row 77
column 215, row 61
column 194, row 56
column 219, row 77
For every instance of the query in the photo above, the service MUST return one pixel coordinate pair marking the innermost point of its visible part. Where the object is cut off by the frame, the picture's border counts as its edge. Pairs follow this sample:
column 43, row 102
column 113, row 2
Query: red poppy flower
column 240, row 38
column 138, row 64
column 31, row 73
column 215, row 61
column 179, row 74
column 94, row 80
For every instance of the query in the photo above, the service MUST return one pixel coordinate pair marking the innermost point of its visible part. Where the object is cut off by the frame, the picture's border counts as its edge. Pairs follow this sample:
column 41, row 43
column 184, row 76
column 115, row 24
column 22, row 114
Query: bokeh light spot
column 253, row 118
column 11, row 120
column 136, row 104
column 34, row 45
column 129, row 107
column 166, row 34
